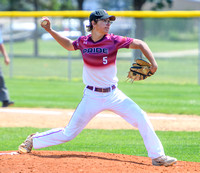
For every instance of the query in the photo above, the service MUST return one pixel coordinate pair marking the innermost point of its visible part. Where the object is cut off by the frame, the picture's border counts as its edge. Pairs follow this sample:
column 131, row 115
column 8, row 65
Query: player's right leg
column 85, row 111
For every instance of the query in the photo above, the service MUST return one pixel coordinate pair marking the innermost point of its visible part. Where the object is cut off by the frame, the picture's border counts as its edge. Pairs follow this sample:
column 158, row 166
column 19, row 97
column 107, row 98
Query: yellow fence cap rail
column 85, row 14
column 44, row 13
column 156, row 14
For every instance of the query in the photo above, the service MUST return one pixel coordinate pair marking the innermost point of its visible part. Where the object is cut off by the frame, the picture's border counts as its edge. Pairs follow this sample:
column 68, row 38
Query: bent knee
column 69, row 135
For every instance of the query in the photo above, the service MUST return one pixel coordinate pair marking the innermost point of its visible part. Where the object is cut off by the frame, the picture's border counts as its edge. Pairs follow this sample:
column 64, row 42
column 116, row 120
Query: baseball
column 44, row 22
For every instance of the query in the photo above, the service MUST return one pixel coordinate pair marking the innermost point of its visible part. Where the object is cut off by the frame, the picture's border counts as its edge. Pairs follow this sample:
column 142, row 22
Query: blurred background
column 174, row 41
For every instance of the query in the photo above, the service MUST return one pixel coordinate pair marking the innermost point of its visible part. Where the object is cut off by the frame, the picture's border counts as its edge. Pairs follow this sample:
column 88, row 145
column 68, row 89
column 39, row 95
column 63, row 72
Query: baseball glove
column 139, row 70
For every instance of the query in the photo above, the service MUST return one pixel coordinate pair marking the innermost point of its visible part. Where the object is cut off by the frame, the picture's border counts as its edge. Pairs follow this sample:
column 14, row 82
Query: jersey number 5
column 105, row 60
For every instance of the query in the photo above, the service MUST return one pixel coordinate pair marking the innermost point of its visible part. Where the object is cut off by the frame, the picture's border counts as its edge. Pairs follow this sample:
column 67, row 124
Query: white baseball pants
column 93, row 103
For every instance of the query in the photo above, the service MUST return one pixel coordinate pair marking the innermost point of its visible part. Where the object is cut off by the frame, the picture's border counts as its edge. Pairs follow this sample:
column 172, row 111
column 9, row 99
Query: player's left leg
column 133, row 114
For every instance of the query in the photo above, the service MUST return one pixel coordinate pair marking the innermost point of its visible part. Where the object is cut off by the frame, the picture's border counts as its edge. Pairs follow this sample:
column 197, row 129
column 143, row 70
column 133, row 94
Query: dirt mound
column 86, row 162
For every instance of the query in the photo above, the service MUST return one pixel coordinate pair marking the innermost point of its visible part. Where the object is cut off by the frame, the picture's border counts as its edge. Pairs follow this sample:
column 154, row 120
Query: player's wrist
column 155, row 65
column 49, row 30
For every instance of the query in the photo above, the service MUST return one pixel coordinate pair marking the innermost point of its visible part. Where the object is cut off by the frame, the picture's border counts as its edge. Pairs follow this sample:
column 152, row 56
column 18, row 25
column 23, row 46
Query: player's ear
column 93, row 23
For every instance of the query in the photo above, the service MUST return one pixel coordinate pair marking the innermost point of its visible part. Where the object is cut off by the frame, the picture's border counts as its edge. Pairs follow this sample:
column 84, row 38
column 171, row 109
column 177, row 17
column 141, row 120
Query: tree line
column 57, row 5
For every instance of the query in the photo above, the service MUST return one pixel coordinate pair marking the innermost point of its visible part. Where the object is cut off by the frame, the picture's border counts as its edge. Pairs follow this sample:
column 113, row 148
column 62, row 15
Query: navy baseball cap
column 100, row 14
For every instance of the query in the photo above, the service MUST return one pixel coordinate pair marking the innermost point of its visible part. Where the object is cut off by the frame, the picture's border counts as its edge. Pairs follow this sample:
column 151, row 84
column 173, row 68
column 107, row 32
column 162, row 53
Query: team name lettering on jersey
column 95, row 50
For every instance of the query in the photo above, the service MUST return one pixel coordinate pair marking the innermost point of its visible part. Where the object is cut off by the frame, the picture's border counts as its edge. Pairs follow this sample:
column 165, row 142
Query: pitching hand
column 45, row 23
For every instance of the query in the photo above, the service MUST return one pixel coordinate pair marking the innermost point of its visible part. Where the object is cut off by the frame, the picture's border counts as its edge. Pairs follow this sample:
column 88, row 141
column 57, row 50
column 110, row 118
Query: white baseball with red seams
column 44, row 21
column 100, row 71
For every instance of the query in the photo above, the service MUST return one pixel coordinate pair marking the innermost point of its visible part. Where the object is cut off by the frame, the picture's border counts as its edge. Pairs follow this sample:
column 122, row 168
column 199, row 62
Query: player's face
column 103, row 26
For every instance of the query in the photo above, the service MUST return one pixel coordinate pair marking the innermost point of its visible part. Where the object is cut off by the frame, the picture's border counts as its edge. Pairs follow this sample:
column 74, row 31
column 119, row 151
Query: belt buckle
column 102, row 90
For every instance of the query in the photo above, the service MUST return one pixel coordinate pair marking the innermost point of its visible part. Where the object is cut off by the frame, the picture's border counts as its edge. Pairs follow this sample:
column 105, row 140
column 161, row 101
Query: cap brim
column 112, row 18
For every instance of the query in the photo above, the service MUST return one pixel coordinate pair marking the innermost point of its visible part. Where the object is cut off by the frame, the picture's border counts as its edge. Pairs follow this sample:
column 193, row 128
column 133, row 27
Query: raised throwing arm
column 63, row 41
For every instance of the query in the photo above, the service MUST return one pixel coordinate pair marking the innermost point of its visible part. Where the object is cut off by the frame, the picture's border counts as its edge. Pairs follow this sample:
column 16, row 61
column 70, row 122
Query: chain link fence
column 34, row 53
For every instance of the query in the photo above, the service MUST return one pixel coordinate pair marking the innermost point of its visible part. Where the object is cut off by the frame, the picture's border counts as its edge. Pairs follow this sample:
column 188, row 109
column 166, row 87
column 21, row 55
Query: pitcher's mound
column 86, row 162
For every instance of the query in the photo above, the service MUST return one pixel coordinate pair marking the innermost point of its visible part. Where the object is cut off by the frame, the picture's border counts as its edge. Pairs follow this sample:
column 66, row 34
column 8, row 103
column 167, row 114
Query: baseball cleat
column 164, row 161
column 7, row 103
column 27, row 145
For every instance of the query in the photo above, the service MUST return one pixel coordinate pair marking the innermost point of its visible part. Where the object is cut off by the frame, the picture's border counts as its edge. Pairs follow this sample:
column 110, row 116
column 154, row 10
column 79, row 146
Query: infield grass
column 182, row 145
column 152, row 97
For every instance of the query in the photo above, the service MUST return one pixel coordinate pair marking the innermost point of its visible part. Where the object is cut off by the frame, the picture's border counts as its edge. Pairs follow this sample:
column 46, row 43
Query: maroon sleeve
column 76, row 43
column 122, row 42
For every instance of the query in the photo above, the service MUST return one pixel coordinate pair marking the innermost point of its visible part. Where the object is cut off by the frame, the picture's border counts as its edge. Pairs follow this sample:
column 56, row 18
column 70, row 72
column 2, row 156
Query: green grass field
column 155, row 97
column 41, row 82
column 152, row 97
column 182, row 145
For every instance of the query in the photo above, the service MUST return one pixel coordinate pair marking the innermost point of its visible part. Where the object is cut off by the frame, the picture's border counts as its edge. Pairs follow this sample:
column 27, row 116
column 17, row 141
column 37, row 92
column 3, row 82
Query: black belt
column 103, row 90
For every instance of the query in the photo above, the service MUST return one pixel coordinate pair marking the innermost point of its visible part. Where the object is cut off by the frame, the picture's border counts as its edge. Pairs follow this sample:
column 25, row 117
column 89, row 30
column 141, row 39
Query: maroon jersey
column 99, row 58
